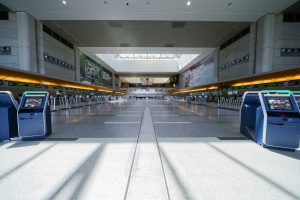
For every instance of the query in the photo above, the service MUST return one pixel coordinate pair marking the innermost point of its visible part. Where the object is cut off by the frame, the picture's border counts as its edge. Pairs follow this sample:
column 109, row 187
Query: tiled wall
column 244, row 46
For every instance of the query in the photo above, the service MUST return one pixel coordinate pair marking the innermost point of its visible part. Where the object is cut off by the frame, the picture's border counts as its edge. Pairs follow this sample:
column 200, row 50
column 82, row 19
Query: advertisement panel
column 93, row 73
column 106, row 77
column 89, row 71
column 201, row 73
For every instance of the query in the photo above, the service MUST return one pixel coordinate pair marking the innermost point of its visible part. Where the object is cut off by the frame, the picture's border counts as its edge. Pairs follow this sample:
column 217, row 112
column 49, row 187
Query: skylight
column 148, row 56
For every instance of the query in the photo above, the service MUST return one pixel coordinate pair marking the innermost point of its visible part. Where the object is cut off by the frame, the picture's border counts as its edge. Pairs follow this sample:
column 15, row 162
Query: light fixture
column 64, row 2
column 188, row 3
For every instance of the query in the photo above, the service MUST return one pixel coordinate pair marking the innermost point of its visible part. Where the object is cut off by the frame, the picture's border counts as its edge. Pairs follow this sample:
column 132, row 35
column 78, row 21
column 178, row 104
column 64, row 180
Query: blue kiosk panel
column 281, row 118
column 8, row 116
column 248, row 114
column 34, row 115
column 271, row 118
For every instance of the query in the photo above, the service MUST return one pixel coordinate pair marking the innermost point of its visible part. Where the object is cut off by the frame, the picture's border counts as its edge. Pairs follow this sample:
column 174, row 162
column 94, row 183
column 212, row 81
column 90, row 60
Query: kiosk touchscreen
column 276, row 117
column 8, row 116
column 34, row 115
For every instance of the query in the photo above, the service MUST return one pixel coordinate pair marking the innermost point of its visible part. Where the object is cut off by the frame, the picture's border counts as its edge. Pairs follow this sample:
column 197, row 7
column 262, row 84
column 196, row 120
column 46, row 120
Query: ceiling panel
column 147, row 33
column 176, row 10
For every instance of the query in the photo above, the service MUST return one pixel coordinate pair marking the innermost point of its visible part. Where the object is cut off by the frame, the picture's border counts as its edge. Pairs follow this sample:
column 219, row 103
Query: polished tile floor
column 143, row 150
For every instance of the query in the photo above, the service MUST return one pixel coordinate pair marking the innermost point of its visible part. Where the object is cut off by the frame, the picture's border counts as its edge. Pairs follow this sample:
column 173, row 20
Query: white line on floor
column 172, row 122
column 131, row 111
column 165, row 115
column 127, row 115
column 122, row 122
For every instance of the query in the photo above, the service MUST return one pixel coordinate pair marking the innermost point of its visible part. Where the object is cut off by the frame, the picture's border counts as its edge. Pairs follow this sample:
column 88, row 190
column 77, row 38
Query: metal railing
column 68, row 102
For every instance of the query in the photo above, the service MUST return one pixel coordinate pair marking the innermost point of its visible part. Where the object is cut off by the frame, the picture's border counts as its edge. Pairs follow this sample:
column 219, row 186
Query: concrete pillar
column 26, row 42
column 40, row 47
column 252, row 49
column 77, row 64
column 265, row 43
column 216, row 65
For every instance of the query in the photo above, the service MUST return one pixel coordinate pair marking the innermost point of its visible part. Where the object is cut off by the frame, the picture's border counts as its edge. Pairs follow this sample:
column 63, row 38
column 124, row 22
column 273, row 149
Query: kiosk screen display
column 33, row 102
column 279, row 103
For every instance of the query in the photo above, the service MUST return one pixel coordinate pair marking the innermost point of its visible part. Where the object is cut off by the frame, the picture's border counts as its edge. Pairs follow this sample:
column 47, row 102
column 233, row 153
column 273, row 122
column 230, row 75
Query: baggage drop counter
column 272, row 120
column 34, row 115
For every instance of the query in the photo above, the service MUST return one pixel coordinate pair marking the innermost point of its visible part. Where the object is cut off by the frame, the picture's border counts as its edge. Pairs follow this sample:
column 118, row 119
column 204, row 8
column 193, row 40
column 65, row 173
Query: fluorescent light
column 64, row 2
column 188, row 3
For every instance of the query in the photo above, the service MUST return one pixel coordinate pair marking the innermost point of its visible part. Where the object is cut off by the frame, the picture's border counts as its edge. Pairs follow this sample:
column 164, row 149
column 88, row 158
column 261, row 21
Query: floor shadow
column 21, row 144
column 3, row 143
column 35, row 156
column 291, row 154
column 256, row 173
column 84, row 171
column 183, row 189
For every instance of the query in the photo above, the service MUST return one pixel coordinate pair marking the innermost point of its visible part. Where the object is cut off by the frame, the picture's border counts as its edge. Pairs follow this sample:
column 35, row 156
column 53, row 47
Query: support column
column 77, row 64
column 27, row 42
column 40, row 47
column 265, row 43
column 216, row 65
column 252, row 50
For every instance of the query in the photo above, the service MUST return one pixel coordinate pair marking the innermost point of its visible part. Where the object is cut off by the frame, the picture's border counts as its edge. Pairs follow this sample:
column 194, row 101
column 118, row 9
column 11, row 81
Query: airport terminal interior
column 150, row 99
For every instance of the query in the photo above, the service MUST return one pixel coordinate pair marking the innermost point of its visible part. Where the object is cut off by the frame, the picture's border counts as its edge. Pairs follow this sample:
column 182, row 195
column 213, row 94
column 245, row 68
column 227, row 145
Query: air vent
column 124, row 45
column 178, row 24
column 4, row 15
column 115, row 24
column 169, row 45
column 291, row 18
column 57, row 37
column 235, row 38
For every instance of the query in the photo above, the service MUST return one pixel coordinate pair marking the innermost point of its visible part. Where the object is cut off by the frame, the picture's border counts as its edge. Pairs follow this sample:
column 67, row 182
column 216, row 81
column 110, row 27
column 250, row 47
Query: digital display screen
column 279, row 103
column 33, row 102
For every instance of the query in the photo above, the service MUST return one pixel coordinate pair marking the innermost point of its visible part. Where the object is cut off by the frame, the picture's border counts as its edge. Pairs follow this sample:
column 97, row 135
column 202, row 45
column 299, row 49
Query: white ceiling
column 107, row 55
column 162, row 10
column 146, row 33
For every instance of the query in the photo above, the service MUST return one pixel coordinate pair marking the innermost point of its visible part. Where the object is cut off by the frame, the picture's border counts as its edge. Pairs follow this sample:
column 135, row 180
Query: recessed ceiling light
column 188, row 3
column 64, row 2
column 229, row 4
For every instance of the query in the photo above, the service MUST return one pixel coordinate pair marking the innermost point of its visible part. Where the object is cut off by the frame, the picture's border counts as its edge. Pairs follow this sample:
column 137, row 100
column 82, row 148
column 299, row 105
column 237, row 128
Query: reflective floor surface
column 146, row 149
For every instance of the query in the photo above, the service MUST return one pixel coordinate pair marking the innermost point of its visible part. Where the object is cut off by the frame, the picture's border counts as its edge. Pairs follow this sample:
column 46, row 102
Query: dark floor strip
column 53, row 139
column 233, row 138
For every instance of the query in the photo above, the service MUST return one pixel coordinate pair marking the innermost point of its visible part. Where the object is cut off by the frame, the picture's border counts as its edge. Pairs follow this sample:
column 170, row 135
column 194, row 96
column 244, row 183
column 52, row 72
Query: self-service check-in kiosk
column 34, row 115
column 8, row 116
column 271, row 118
